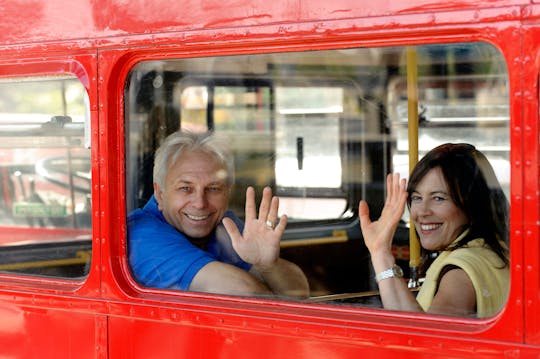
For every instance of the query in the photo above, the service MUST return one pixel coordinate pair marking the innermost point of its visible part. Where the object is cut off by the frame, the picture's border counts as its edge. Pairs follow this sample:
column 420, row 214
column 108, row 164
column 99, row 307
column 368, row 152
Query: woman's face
column 437, row 219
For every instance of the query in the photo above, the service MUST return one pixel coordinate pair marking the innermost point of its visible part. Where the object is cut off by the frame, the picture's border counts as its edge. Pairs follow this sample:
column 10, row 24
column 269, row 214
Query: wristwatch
column 394, row 271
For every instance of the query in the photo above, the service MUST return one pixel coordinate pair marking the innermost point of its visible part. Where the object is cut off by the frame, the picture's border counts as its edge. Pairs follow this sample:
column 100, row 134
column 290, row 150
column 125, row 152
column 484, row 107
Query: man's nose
column 199, row 199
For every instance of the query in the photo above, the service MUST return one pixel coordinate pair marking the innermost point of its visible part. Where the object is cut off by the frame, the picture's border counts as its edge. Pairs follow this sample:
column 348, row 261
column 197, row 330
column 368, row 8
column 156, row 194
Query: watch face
column 398, row 271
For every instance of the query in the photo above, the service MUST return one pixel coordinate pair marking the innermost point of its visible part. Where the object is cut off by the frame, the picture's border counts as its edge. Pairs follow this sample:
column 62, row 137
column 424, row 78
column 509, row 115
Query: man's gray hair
column 180, row 142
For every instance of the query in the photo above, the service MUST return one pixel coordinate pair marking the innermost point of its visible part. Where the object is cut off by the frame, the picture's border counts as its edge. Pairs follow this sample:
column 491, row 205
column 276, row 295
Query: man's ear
column 158, row 194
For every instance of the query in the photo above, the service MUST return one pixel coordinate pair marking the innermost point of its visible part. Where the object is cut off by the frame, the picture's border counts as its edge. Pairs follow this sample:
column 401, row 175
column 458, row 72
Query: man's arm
column 284, row 278
column 218, row 277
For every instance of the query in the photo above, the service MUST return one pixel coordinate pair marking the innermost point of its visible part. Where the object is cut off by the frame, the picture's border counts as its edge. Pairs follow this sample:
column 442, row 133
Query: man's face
column 196, row 194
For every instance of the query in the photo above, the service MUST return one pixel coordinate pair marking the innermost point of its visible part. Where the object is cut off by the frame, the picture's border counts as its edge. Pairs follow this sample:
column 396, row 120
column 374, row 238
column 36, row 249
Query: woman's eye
column 415, row 198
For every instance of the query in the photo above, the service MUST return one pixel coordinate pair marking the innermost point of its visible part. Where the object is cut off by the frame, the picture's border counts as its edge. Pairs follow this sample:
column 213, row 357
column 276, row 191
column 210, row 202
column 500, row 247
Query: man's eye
column 213, row 189
column 184, row 188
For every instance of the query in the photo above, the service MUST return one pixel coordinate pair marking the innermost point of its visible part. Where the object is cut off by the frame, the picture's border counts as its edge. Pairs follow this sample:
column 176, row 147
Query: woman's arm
column 455, row 294
column 378, row 236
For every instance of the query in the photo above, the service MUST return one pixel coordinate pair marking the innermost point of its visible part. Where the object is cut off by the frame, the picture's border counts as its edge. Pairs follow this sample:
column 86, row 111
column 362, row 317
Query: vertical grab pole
column 412, row 105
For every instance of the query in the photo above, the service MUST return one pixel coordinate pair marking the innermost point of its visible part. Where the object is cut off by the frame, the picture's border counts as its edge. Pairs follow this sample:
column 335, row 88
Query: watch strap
column 394, row 271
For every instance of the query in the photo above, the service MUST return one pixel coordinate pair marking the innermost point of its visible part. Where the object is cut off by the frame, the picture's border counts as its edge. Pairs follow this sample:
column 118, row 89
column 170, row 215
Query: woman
column 460, row 213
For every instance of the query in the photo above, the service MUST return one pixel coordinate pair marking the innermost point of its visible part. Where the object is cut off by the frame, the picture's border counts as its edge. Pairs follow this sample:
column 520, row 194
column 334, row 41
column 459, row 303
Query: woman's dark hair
column 474, row 188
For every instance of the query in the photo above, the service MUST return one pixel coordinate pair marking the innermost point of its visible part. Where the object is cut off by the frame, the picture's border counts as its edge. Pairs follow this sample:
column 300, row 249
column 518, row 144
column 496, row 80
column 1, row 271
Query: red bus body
column 108, row 315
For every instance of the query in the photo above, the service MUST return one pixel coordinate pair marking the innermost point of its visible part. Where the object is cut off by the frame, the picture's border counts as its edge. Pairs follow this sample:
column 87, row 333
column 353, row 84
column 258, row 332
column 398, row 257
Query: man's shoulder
column 149, row 223
column 148, row 214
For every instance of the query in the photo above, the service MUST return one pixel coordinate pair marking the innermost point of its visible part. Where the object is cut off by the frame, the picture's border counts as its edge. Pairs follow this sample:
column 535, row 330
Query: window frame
column 81, row 66
column 480, row 327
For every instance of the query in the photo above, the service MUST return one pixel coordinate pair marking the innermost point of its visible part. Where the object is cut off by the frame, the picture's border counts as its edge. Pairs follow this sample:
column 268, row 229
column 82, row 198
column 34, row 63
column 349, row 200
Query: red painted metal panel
column 531, row 162
column 109, row 315
column 132, row 338
column 112, row 66
column 53, row 20
column 35, row 332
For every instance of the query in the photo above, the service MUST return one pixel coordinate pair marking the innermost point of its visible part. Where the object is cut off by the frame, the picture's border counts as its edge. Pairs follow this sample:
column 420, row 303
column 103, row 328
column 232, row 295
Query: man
column 184, row 238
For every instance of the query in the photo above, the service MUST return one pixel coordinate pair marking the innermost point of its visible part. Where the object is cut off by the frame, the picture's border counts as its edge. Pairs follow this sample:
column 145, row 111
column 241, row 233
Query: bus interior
column 322, row 129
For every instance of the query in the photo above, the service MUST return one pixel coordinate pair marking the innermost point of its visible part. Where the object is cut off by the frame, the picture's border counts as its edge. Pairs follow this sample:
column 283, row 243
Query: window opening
column 45, row 177
column 322, row 128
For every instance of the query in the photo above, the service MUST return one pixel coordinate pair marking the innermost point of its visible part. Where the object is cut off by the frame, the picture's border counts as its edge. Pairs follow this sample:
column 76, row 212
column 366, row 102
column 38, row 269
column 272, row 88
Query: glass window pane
column 45, row 177
column 322, row 129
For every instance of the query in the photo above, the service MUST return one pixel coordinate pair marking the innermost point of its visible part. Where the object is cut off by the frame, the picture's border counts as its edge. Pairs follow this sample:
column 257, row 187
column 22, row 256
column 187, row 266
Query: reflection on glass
column 322, row 128
column 45, row 177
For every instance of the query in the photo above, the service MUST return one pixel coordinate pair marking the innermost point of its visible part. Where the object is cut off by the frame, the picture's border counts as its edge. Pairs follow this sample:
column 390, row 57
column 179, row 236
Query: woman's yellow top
column 488, row 273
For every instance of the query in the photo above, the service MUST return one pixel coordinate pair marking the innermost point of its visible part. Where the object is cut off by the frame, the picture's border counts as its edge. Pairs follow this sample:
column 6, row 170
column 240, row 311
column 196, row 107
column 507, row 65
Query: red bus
column 315, row 98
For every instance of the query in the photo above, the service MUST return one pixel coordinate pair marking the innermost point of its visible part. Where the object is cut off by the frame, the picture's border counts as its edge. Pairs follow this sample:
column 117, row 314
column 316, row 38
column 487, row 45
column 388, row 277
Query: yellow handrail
column 412, row 105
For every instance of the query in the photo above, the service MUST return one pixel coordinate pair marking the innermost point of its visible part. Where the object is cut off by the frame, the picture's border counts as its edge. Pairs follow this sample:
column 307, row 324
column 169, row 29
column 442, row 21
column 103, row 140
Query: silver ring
column 270, row 224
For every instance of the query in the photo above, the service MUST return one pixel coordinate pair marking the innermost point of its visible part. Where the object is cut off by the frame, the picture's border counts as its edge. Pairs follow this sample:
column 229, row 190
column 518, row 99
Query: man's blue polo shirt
column 162, row 257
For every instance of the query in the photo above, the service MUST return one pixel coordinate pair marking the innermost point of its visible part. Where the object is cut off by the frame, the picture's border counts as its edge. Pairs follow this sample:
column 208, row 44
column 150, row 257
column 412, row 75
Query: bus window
column 322, row 128
column 45, row 178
